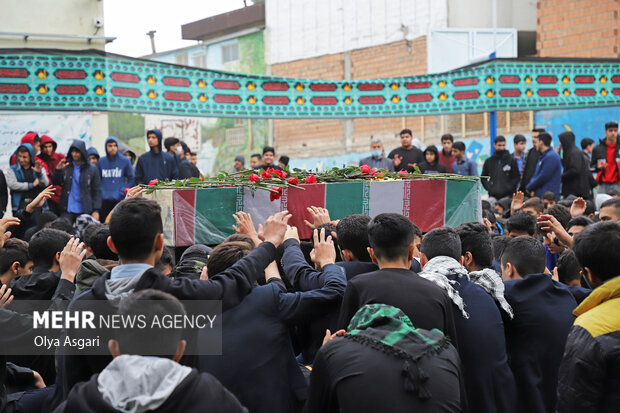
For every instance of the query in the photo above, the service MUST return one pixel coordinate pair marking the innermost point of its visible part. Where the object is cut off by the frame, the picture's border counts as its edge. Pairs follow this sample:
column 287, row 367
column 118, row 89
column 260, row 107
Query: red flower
column 365, row 169
column 280, row 173
column 311, row 179
column 403, row 172
column 293, row 181
column 153, row 182
column 253, row 178
column 275, row 195
column 266, row 174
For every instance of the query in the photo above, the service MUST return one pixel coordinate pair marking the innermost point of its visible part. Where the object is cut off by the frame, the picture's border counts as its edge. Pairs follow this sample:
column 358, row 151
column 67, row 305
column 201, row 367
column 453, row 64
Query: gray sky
column 130, row 20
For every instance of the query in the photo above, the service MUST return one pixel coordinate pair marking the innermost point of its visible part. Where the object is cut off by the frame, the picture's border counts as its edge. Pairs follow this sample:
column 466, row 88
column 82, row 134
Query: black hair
column 284, row 159
column 447, row 137
column 390, row 235
column 521, row 221
column 579, row 221
column 99, row 243
column 186, row 148
column 166, row 259
column 45, row 244
column 518, row 139
column 611, row 124
column 561, row 213
column 475, row 238
column 62, row 224
column 488, row 214
column 486, row 205
column 14, row 250
column 596, row 248
column 612, row 202
column 499, row 139
column 499, row 244
column 226, row 255
column 433, row 149
column 526, row 254
column 133, row 227
column 257, row 155
column 545, row 138
column 568, row 267
column 352, row 235
column 88, row 232
column 241, row 238
column 549, row 196
column 442, row 241
column 405, row 131
column 169, row 142
column 458, row 145
column 269, row 149
column 539, row 130
column 534, row 202
column 585, row 142
column 152, row 341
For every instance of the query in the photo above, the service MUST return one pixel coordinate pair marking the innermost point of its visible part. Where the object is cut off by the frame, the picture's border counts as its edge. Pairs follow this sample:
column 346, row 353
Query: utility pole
column 493, row 55
column 151, row 34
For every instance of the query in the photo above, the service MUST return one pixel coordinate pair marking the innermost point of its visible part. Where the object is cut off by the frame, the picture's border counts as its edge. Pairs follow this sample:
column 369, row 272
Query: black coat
column 576, row 175
column 90, row 182
column 529, row 169
column 188, row 170
column 503, row 173
column 4, row 194
column 197, row 393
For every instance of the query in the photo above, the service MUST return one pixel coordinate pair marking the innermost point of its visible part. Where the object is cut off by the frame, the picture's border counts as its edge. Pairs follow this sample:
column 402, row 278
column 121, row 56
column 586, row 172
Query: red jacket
column 51, row 162
column 446, row 161
column 28, row 138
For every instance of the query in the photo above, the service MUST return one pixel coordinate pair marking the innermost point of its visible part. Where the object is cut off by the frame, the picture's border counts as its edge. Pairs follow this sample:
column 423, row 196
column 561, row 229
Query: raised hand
column 319, row 215
column 517, row 202
column 291, row 233
column 323, row 252
column 397, row 160
column 5, row 296
column 275, row 228
column 39, row 201
column 245, row 225
column 37, row 167
column 578, row 207
column 5, row 223
column 329, row 336
column 70, row 258
column 134, row 192
column 62, row 164
column 550, row 223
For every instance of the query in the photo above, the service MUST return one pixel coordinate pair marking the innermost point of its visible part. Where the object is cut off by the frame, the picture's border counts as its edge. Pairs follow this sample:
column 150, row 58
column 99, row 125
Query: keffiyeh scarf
column 492, row 283
column 437, row 270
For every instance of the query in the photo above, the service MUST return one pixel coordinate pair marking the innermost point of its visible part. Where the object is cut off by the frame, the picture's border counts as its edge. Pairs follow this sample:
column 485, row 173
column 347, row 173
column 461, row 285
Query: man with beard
column 502, row 170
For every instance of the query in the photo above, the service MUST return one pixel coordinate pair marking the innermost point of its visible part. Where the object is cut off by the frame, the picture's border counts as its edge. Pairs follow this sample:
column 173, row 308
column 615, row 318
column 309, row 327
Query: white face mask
column 179, row 150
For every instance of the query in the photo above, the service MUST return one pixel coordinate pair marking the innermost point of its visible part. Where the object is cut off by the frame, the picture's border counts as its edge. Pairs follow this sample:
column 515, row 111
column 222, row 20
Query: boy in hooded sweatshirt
column 81, row 184
column 51, row 159
column 33, row 139
column 155, row 164
column 26, row 178
column 136, row 382
column 431, row 164
column 116, row 175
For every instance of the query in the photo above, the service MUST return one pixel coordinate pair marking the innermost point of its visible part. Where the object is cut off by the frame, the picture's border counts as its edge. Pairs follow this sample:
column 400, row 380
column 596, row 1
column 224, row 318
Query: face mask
column 377, row 153
column 179, row 150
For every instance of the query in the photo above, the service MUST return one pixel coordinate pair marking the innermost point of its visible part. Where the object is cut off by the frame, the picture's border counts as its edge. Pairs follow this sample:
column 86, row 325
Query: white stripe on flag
column 386, row 196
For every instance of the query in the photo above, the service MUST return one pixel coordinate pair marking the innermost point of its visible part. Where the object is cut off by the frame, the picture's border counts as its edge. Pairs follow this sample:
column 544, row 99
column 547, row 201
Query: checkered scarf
column 492, row 283
column 437, row 270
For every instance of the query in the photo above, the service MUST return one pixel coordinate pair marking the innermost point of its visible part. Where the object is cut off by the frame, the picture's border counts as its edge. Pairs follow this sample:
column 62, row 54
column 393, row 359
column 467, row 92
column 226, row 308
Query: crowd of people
column 517, row 313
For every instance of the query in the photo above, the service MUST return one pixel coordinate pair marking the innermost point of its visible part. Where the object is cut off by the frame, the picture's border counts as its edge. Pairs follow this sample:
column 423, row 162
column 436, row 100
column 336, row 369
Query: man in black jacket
column 136, row 234
column 165, row 386
column 186, row 168
column 531, row 160
column 427, row 305
column 81, row 184
column 576, row 174
column 502, row 170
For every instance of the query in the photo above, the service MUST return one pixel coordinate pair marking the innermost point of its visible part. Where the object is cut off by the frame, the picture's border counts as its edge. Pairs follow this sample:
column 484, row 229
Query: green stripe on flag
column 214, row 209
column 342, row 199
column 462, row 202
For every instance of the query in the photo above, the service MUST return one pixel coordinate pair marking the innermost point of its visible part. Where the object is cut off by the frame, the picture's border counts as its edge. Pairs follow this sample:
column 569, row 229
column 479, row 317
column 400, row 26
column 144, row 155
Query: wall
column 585, row 123
column 578, row 28
column 51, row 17
column 299, row 29
column 518, row 14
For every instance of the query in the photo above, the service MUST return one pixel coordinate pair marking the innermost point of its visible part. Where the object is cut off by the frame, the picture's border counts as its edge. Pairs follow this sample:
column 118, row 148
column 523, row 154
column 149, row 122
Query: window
column 199, row 60
column 181, row 59
column 230, row 52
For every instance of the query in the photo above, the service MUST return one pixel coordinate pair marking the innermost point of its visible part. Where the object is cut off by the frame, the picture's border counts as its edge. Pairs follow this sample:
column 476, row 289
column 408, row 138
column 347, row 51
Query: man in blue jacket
column 155, row 164
column 116, row 175
column 548, row 175
column 537, row 333
column 81, row 183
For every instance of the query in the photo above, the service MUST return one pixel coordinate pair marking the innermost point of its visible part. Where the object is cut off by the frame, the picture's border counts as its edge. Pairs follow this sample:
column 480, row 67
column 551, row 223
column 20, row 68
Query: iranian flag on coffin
column 205, row 215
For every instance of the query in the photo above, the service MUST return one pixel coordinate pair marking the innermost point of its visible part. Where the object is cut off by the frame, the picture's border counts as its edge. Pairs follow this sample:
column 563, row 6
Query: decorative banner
column 205, row 215
column 62, row 127
column 68, row 80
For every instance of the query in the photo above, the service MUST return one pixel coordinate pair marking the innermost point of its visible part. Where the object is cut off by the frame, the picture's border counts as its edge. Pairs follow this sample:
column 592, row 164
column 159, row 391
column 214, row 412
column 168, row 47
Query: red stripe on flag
column 184, row 201
column 426, row 203
column 298, row 200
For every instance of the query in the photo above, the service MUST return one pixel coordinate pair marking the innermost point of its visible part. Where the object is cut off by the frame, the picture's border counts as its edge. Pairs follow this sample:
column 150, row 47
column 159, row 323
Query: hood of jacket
column 567, row 139
column 124, row 150
column 159, row 137
column 93, row 151
column 112, row 139
column 46, row 139
column 30, row 151
column 80, row 146
column 29, row 138
column 136, row 384
column 434, row 150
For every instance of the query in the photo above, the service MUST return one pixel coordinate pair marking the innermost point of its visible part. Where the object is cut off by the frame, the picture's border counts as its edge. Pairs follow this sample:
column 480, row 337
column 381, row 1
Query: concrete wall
column 517, row 14
column 300, row 29
column 579, row 28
